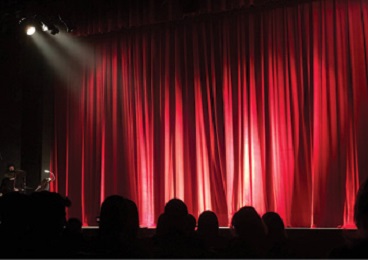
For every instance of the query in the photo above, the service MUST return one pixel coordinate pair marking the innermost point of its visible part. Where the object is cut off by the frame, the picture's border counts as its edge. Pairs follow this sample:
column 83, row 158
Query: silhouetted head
column 10, row 167
column 73, row 225
column 275, row 225
column 132, row 223
column 176, row 207
column 208, row 223
column 190, row 223
column 118, row 217
column 248, row 224
column 361, row 208
column 48, row 213
column 162, row 225
column 175, row 217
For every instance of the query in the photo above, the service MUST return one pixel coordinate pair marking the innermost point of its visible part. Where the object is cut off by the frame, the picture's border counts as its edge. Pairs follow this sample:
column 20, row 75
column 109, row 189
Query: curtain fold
column 265, row 108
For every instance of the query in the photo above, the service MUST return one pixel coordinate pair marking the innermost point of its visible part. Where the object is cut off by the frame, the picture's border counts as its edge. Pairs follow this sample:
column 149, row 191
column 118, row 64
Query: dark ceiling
column 12, row 11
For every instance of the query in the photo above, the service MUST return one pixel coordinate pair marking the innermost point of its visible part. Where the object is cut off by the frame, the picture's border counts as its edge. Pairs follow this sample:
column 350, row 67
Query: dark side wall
column 10, row 102
column 23, row 80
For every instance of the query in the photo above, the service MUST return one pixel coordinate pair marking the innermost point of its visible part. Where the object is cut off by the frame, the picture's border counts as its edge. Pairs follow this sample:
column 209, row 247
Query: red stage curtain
column 266, row 108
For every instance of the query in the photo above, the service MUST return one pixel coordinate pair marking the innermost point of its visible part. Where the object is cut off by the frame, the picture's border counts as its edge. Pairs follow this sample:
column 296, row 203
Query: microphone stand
column 45, row 181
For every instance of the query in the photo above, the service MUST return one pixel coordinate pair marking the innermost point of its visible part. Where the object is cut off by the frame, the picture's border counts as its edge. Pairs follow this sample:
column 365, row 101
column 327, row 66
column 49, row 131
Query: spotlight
column 30, row 30
column 44, row 27
column 28, row 25
column 50, row 27
column 47, row 24
column 39, row 22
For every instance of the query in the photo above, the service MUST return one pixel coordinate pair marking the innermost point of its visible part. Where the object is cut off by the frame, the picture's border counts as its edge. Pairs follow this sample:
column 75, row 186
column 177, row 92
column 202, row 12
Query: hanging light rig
column 31, row 25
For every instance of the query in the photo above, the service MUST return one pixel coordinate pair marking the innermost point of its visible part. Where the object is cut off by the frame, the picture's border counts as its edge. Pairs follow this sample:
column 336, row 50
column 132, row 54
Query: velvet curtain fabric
column 264, row 108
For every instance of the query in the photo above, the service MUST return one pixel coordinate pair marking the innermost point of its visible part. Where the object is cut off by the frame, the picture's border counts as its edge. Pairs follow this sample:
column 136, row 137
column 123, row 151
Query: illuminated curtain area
column 268, row 109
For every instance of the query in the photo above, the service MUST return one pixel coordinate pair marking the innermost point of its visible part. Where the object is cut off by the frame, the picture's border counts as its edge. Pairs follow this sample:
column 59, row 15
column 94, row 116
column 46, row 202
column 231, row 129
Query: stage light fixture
column 28, row 25
column 44, row 27
column 30, row 30
column 48, row 24
column 53, row 29
column 38, row 22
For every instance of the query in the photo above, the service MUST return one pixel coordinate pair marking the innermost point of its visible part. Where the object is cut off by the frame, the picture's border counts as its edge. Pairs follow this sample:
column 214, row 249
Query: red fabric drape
column 266, row 109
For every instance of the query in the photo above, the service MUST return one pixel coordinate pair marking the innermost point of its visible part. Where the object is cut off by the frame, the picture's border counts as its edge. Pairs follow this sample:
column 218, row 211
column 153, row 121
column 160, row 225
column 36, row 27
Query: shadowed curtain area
column 266, row 108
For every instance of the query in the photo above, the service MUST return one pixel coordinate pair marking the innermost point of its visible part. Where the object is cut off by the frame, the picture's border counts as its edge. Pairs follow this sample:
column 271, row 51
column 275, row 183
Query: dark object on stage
column 13, row 181
column 43, row 184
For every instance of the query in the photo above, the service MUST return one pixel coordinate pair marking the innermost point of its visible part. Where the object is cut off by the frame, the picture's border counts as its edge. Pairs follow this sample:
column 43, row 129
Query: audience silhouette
column 174, row 235
column 250, row 240
column 118, row 228
column 14, row 210
column 35, row 226
column 47, row 219
column 190, row 224
column 208, row 233
column 73, row 238
column 278, row 243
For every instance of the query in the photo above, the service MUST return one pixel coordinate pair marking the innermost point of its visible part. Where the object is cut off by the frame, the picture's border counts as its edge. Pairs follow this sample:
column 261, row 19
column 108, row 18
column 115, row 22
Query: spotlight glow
column 44, row 27
column 30, row 30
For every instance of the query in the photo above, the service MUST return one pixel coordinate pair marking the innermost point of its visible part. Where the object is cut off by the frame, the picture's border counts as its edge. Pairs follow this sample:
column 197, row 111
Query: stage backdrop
column 264, row 108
